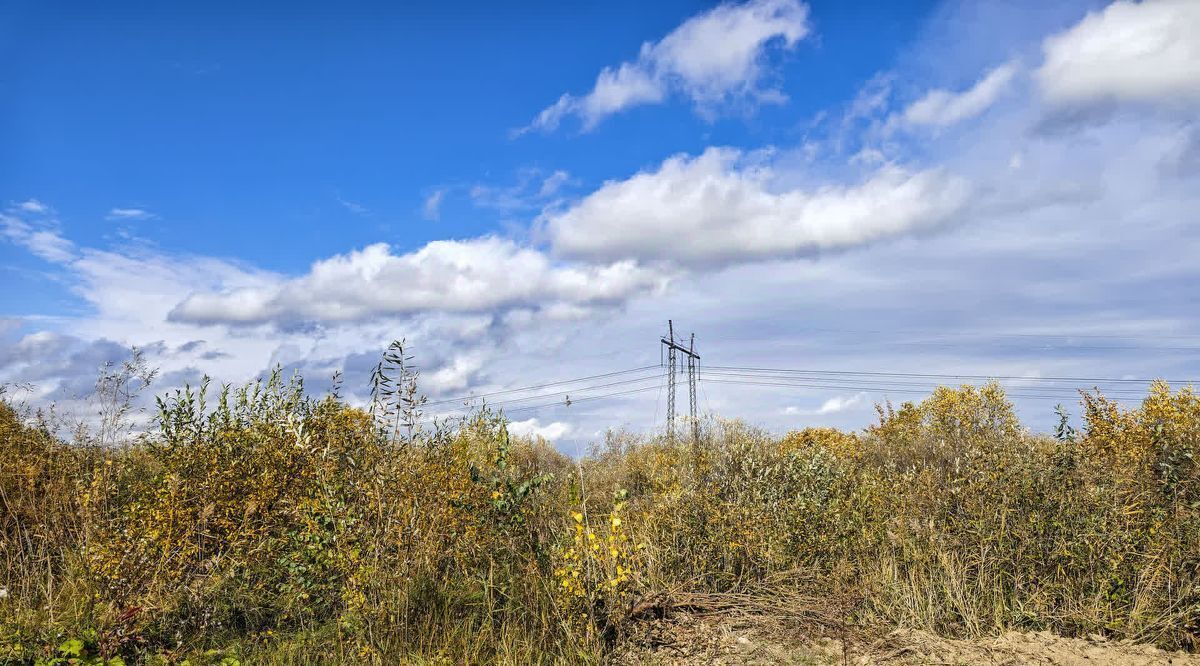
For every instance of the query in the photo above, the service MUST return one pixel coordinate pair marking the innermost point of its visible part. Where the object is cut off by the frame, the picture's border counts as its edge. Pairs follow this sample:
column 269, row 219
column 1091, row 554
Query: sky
column 876, row 196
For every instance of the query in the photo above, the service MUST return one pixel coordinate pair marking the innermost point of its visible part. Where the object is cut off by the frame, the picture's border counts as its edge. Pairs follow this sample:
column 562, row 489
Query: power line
column 824, row 379
column 585, row 399
column 1062, row 347
column 505, row 405
column 522, row 389
column 869, row 382
column 558, row 403
column 1101, row 380
column 903, row 332
column 871, row 389
column 657, row 401
column 567, row 392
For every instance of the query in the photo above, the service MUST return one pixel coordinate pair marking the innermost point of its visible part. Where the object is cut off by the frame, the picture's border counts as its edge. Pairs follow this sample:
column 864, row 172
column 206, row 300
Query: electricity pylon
column 673, row 349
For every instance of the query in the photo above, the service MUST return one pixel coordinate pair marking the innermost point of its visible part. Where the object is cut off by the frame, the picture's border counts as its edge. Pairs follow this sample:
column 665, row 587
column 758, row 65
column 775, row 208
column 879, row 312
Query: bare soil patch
column 723, row 639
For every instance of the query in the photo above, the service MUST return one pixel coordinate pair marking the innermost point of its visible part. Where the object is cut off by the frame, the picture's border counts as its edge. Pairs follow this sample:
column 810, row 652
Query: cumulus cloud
column 1144, row 51
column 940, row 108
column 33, row 206
column 834, row 405
column 456, row 374
column 533, row 428
column 715, row 209
column 132, row 295
column 454, row 276
column 712, row 58
column 840, row 403
column 128, row 294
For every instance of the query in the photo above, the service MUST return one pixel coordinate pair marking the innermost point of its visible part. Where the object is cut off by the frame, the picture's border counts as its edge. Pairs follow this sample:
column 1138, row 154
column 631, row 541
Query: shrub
column 264, row 525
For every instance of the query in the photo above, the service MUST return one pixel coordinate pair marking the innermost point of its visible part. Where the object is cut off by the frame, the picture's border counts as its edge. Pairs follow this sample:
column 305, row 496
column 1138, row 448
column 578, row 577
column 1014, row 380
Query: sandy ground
column 688, row 640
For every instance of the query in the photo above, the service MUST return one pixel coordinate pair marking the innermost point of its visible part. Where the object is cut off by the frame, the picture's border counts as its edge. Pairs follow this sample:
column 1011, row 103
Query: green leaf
column 71, row 648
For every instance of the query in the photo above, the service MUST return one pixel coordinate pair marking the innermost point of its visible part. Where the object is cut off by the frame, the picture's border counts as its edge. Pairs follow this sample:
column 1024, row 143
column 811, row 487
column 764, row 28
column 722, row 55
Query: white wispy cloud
column 353, row 206
column 1130, row 51
column 129, row 214
column 711, row 58
column 552, row 183
column 432, row 208
column 533, row 189
column 940, row 108
column 41, row 237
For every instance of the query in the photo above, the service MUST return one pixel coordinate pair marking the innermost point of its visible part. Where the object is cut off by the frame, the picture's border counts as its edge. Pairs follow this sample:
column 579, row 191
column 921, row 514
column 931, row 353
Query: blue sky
column 252, row 125
column 527, row 193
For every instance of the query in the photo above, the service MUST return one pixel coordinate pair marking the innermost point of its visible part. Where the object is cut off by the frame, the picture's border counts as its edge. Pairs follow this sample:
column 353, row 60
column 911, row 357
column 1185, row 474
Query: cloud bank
column 716, row 209
column 475, row 275
column 1146, row 51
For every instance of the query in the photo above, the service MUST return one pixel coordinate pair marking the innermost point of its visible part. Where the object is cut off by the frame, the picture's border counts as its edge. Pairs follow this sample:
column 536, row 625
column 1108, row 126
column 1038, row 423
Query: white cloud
column 834, row 405
column 133, row 288
column 456, row 375
column 1146, row 51
column 553, row 183
column 714, row 209
column 533, row 428
column 129, row 294
column 129, row 214
column 712, row 58
column 432, row 208
column 840, row 403
column 353, row 206
column 33, row 206
column 532, row 189
column 448, row 276
column 943, row 107
column 549, row 118
column 42, row 239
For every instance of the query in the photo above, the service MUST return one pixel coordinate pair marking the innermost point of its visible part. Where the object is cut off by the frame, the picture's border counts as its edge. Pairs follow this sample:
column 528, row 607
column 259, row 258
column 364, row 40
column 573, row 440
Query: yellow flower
column 577, row 516
column 616, row 522
column 495, row 494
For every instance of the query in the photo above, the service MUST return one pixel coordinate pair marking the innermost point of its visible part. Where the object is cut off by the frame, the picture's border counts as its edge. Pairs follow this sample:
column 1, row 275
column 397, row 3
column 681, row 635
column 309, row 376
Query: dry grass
column 263, row 526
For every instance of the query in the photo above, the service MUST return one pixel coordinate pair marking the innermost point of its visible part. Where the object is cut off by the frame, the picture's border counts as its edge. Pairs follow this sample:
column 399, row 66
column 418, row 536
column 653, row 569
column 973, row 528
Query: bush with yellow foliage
column 262, row 525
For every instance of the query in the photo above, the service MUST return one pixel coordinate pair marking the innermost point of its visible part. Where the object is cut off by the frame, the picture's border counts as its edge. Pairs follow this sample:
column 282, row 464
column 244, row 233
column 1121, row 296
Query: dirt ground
column 692, row 640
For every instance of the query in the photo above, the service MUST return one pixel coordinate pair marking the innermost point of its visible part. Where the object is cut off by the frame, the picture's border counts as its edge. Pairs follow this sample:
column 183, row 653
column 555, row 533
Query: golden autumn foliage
column 266, row 526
